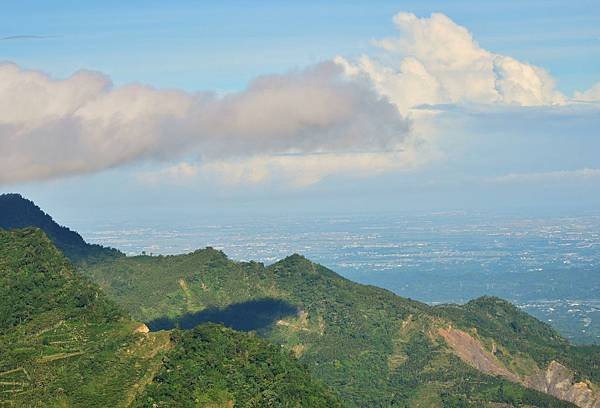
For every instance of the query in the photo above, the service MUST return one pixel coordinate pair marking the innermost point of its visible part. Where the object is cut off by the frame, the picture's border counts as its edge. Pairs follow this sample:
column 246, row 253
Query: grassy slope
column 371, row 346
column 63, row 343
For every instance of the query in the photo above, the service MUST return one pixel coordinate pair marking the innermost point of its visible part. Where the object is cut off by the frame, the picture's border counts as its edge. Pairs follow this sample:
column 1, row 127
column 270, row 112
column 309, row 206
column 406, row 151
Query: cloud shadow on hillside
column 246, row 316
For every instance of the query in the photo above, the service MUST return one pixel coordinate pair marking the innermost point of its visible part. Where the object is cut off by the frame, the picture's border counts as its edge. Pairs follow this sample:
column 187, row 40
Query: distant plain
column 547, row 264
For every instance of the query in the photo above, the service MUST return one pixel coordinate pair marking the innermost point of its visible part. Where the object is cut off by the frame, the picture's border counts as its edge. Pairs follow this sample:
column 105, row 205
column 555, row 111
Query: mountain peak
column 295, row 258
column 300, row 265
column 14, row 196
column 295, row 262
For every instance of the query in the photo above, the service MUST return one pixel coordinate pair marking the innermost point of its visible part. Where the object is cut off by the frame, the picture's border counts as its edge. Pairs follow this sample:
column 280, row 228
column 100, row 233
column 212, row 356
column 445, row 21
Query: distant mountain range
column 19, row 212
column 368, row 346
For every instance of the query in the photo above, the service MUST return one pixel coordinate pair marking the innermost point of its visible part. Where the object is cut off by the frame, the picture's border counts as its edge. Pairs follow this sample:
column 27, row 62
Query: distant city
column 549, row 266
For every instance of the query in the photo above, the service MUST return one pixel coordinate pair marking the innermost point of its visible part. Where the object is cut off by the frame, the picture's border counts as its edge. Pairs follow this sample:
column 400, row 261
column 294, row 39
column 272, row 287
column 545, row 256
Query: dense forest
column 64, row 343
column 211, row 364
column 371, row 346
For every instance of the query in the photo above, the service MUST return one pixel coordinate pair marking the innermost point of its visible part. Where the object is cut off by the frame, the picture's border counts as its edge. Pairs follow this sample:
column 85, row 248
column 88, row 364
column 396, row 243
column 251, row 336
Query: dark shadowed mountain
column 19, row 212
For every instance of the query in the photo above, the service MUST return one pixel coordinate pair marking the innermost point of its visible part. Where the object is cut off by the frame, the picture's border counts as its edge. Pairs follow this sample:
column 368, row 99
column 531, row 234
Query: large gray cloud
column 50, row 128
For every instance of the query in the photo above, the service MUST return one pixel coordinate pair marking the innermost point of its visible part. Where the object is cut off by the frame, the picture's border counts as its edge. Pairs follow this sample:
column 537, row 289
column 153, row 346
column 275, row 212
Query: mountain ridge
column 386, row 344
column 65, row 344
column 372, row 347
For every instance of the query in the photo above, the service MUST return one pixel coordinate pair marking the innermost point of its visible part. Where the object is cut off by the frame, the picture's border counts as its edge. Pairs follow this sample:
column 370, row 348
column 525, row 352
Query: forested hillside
column 372, row 347
column 63, row 343
column 211, row 365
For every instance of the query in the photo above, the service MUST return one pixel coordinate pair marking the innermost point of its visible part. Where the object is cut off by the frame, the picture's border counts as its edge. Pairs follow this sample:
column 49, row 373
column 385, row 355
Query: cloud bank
column 288, row 170
column 50, row 128
column 379, row 113
column 591, row 95
column 549, row 176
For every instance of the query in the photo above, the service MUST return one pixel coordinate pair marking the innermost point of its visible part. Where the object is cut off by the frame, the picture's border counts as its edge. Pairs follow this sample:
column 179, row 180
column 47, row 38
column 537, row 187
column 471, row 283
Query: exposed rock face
column 556, row 380
column 473, row 353
column 142, row 328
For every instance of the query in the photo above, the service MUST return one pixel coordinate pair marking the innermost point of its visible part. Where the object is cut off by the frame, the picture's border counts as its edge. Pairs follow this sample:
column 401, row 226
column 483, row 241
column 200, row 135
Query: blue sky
column 480, row 156
column 222, row 45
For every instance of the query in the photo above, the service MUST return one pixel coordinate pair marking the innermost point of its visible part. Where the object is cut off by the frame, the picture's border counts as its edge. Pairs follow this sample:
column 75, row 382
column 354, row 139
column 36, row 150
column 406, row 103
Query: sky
column 162, row 109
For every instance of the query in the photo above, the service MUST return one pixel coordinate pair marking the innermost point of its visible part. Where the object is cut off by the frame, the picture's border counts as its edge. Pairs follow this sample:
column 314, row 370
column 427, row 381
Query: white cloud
column 549, row 176
column 436, row 61
column 30, row 98
column 50, row 128
column 179, row 173
column 290, row 170
column 352, row 117
column 591, row 95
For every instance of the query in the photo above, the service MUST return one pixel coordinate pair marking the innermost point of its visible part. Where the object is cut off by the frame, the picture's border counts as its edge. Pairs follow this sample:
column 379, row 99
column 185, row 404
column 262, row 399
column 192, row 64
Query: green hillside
column 372, row 347
column 216, row 365
column 63, row 343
